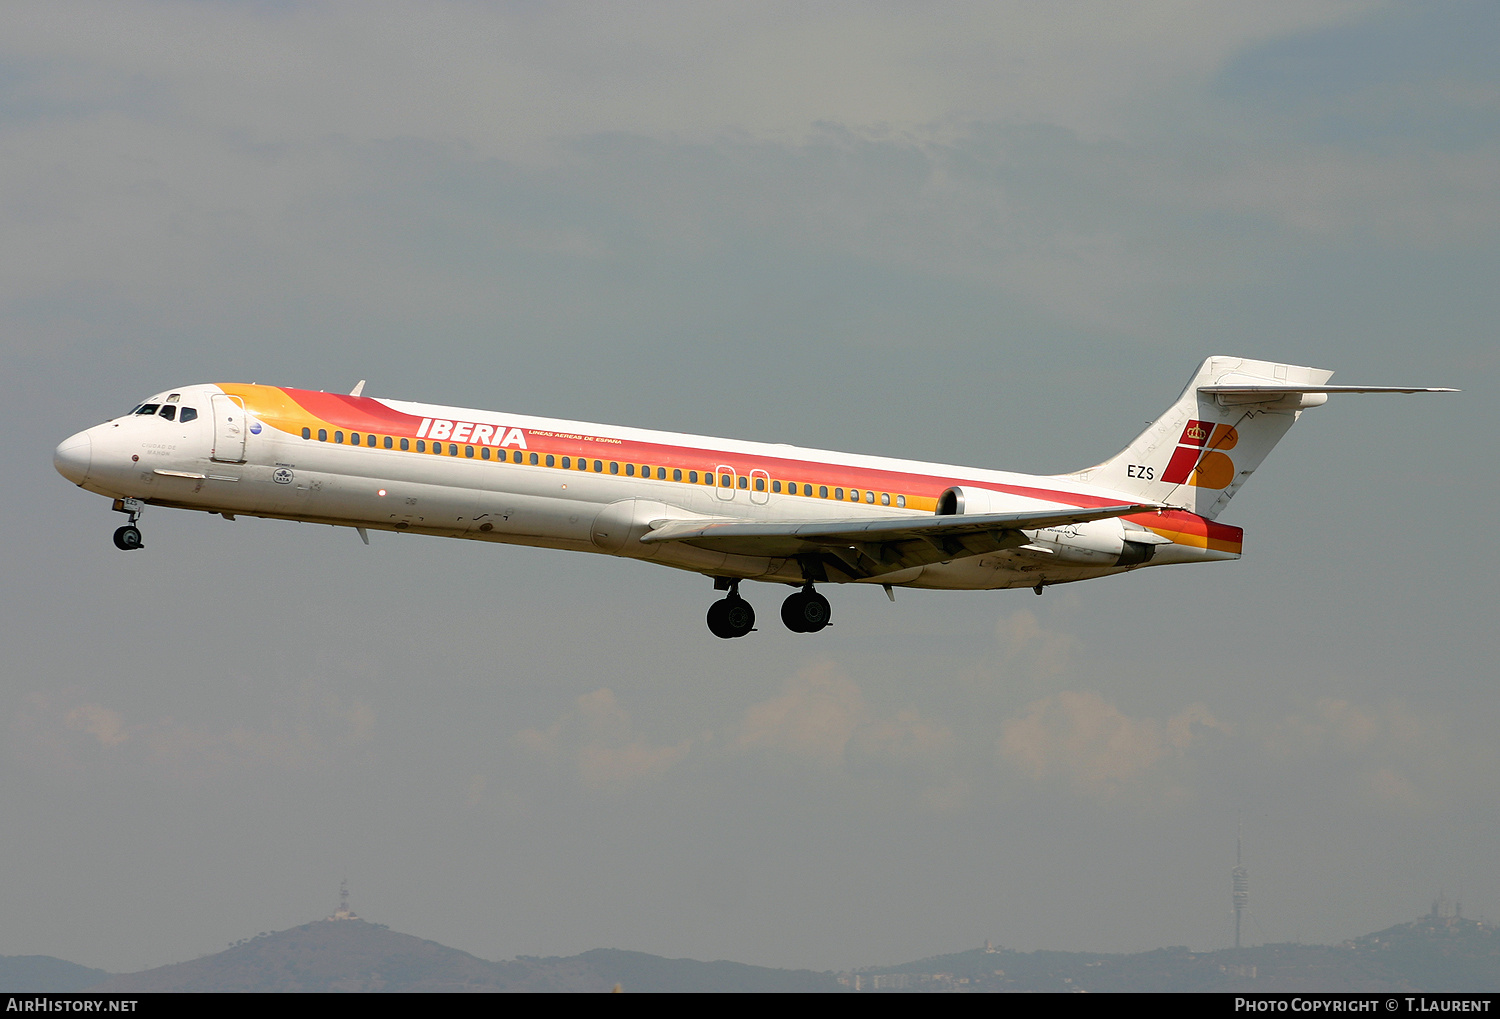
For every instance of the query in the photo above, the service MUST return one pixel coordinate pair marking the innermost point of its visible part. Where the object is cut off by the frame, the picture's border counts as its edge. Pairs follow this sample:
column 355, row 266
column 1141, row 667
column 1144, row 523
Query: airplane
column 728, row 509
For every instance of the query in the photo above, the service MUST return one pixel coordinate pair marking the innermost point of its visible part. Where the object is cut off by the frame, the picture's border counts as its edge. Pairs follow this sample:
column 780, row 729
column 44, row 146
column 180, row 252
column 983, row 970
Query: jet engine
column 1108, row 542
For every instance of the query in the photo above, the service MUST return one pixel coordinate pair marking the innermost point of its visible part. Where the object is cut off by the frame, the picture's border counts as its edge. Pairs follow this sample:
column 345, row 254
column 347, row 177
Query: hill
column 1433, row 954
column 352, row 955
column 42, row 974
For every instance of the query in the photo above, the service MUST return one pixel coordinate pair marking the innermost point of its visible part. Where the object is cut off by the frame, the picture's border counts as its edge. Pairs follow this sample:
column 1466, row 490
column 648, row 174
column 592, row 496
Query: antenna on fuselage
column 358, row 388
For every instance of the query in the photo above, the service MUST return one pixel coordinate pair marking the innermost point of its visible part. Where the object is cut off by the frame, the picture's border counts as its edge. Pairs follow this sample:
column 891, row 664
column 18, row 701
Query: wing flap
column 870, row 547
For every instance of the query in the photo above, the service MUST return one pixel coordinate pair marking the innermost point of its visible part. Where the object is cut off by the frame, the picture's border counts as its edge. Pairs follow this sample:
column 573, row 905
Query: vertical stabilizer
column 1199, row 453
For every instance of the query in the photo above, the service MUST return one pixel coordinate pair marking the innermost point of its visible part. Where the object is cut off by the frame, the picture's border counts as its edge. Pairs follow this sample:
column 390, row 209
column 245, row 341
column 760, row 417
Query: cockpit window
column 147, row 408
column 169, row 412
column 188, row 414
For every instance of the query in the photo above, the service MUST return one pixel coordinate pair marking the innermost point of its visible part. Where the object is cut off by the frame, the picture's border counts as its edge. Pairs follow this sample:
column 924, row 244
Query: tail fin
column 1199, row 453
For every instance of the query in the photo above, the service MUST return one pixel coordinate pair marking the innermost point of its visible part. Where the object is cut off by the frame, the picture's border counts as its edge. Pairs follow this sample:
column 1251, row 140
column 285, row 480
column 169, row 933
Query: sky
column 1001, row 235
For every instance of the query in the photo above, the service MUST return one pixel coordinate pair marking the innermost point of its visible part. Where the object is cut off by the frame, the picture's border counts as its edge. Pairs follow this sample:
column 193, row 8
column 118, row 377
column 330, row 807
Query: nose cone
column 72, row 457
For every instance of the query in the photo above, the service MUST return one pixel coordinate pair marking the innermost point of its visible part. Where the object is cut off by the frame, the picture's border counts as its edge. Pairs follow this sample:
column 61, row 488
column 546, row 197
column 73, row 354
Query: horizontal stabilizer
column 1284, row 390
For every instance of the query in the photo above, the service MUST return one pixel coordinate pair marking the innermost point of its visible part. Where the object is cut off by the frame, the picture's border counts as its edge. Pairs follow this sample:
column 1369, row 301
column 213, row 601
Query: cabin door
column 229, row 429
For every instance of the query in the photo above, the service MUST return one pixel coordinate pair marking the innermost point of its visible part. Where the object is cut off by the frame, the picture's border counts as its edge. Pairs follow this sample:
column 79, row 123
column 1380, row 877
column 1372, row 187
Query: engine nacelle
column 955, row 501
column 1091, row 543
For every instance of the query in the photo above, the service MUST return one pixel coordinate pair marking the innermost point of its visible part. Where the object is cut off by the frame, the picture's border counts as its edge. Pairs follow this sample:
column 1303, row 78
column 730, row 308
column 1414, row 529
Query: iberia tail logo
column 1199, row 459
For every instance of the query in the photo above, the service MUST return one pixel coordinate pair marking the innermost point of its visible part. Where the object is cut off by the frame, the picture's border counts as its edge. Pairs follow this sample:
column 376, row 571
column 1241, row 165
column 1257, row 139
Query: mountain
column 352, row 955
column 42, row 974
column 1441, row 952
column 1438, row 953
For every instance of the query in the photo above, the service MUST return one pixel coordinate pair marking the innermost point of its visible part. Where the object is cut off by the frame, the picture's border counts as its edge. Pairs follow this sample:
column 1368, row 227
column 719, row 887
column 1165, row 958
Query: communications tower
column 1241, row 886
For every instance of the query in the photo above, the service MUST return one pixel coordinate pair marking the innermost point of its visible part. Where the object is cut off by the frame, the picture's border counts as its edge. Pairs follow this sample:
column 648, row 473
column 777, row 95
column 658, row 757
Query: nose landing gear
column 730, row 616
column 128, row 538
column 807, row 611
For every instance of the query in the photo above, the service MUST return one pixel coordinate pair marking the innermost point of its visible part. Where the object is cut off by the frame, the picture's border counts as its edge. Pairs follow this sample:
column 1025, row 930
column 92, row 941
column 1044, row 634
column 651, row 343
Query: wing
column 869, row 547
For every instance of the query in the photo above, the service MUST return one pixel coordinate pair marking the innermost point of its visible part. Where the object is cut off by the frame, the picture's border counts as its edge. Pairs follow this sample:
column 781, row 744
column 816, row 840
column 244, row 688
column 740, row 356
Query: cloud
column 813, row 718
column 597, row 738
column 56, row 731
column 1025, row 642
column 822, row 720
column 1424, row 198
column 98, row 721
column 512, row 78
column 1392, row 755
column 1084, row 740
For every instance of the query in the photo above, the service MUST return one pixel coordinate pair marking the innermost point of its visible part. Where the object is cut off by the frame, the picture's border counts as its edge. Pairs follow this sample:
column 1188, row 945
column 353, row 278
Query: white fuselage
column 292, row 454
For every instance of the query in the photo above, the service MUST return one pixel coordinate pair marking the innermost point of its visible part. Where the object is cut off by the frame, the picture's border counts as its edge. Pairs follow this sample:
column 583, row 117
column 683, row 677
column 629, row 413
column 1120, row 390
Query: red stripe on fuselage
column 358, row 413
column 370, row 415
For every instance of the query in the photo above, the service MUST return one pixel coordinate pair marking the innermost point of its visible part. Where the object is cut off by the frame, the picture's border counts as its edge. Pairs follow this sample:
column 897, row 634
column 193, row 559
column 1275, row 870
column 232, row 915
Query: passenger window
column 900, row 502
column 724, row 481
column 614, row 468
column 869, row 497
column 822, row 491
column 551, row 461
column 421, row 446
column 388, row 443
column 838, row 493
column 322, row 435
column 517, row 456
column 534, row 460
column 405, row 445
column 188, row 414
column 306, row 432
column 452, row 449
column 598, row 466
column 370, row 441
column 469, row 452
column 760, row 484
column 676, row 474
column 354, row 438
column 338, row 436
column 775, row 486
column 630, row 470
column 692, row 477
column 885, row 498
column 437, row 448
column 484, row 452
column 567, row 463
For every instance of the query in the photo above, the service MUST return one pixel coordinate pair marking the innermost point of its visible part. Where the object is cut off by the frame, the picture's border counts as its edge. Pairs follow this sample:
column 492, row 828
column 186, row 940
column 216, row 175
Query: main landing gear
column 730, row 616
column 128, row 538
column 807, row 611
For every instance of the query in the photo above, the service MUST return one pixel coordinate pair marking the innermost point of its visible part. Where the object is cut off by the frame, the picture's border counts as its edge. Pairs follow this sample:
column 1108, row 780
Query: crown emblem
column 1197, row 433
